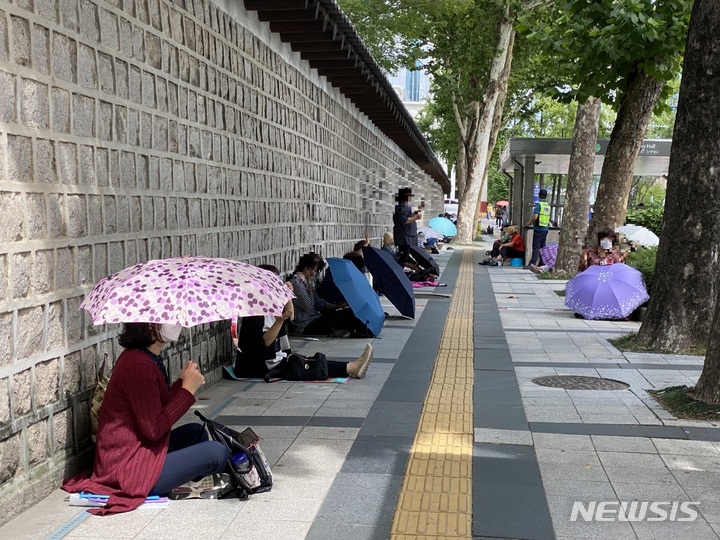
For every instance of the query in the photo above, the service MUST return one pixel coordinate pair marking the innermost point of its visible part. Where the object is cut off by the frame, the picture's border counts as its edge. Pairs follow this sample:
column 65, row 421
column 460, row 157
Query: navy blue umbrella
column 390, row 279
column 358, row 293
column 424, row 260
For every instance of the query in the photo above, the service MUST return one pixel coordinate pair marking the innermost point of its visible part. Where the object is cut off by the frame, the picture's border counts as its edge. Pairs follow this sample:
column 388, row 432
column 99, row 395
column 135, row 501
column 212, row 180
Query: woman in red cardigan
column 137, row 451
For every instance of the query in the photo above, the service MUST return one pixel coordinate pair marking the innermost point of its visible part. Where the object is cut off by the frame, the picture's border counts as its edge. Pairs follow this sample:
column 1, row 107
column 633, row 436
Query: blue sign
column 536, row 193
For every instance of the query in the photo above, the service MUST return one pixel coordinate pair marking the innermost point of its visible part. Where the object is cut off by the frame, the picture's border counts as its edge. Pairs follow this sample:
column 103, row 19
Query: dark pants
column 509, row 253
column 332, row 321
column 403, row 255
column 190, row 455
column 337, row 369
column 499, row 221
column 539, row 238
column 495, row 249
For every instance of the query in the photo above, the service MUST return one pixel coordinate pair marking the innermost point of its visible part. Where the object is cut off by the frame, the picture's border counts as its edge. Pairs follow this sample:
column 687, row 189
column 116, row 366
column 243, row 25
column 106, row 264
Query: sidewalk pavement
column 387, row 455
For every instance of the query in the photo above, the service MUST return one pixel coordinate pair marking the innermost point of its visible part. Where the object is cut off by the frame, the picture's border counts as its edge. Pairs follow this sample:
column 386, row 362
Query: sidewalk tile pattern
column 436, row 496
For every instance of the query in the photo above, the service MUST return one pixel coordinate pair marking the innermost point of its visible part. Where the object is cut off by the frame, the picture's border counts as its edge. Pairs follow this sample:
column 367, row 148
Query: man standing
column 404, row 224
column 539, row 222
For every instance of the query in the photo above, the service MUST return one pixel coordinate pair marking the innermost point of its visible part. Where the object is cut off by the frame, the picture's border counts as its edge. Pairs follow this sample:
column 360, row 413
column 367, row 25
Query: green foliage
column 681, row 403
column 594, row 45
column 652, row 218
column 644, row 260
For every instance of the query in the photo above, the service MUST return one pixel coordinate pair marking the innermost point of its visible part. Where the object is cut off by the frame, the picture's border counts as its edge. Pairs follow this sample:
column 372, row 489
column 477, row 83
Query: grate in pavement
column 579, row 382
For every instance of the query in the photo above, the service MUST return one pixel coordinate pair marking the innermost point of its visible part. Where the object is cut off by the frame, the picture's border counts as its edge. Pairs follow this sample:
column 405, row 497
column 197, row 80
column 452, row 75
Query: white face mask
column 169, row 332
column 606, row 243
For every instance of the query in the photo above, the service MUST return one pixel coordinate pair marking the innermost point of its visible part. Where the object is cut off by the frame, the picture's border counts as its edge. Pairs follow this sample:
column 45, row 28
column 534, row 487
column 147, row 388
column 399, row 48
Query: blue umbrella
column 358, row 293
column 390, row 279
column 443, row 225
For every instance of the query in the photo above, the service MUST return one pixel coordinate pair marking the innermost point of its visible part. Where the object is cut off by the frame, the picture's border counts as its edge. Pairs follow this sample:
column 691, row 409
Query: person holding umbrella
column 137, row 451
column 607, row 251
column 405, row 224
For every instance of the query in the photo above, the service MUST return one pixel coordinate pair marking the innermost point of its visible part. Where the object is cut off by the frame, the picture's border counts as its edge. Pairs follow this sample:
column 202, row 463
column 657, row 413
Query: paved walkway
column 448, row 436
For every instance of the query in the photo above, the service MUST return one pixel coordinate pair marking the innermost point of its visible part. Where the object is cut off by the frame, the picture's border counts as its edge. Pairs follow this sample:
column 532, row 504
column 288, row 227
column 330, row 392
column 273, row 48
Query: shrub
column 644, row 260
column 651, row 218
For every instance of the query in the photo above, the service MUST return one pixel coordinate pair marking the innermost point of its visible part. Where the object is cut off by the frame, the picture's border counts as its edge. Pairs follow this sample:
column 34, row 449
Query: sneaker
column 364, row 363
column 534, row 269
column 208, row 487
column 498, row 263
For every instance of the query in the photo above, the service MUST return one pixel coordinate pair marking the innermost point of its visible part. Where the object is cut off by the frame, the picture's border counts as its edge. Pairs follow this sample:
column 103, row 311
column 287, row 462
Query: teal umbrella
column 443, row 226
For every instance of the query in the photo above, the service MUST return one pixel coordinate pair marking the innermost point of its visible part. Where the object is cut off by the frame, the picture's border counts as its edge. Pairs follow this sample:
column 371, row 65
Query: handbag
column 297, row 367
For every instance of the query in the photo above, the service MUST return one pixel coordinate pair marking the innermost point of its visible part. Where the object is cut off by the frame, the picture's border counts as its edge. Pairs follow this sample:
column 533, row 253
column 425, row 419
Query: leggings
column 190, row 455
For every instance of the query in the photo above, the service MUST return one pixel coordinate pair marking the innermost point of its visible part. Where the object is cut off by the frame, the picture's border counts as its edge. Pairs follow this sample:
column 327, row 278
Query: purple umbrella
column 549, row 254
column 606, row 292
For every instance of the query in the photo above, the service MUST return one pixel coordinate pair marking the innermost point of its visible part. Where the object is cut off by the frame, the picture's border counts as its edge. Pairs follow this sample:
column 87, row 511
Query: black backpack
column 248, row 442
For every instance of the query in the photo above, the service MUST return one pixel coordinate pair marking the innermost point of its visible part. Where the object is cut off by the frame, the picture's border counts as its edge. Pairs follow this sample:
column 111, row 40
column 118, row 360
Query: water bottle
column 242, row 464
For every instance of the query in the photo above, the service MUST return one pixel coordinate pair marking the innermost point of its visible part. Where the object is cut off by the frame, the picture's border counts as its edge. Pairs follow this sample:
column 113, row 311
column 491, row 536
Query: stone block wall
column 140, row 129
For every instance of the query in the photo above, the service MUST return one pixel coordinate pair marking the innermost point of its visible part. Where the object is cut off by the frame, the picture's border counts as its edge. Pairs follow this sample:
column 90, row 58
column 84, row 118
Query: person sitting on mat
column 137, row 453
column 260, row 349
column 313, row 315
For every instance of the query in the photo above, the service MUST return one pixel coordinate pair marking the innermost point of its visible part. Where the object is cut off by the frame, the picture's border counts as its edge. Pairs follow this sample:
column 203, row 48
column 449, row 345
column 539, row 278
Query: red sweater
column 137, row 414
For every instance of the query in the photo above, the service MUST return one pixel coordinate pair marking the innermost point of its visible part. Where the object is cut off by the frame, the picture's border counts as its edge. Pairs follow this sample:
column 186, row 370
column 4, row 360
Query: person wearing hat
column 405, row 224
column 539, row 222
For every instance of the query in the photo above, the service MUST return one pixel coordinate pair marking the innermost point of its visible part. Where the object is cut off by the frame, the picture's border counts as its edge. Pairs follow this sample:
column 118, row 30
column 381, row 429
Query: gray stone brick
column 47, row 382
column 141, row 171
column 153, row 50
column 77, row 216
column 154, row 172
column 133, row 127
column 28, row 340
column 166, row 180
column 126, row 32
column 116, row 257
column 83, row 115
column 3, row 37
column 146, row 130
column 6, row 338
column 120, row 124
column 74, row 320
column 123, row 214
column 62, row 436
column 47, row 9
column 7, row 89
column 171, row 213
column 121, row 78
column 160, row 133
column 10, row 462
column 135, row 82
column 45, row 170
column 135, row 215
column 61, row 110
column 20, row 158
column 109, row 33
column 82, row 422
column 87, row 67
column 72, row 377
column 21, row 40
column 138, row 44
column 159, row 206
column 55, row 336
column 42, row 272
column 113, row 168
column 20, row 268
column 67, row 163
column 57, row 224
column 12, row 217
column 99, row 262
column 64, row 57
column 84, row 265
column 148, row 89
column 41, row 49
column 36, row 216
column 37, row 442
column 86, row 155
column 110, row 214
column 34, row 103
column 69, row 14
column 4, row 402
column 89, row 24
column 172, row 136
column 101, row 163
column 131, row 258
column 65, row 269
column 106, row 74
column 89, row 367
column 105, row 121
column 127, row 170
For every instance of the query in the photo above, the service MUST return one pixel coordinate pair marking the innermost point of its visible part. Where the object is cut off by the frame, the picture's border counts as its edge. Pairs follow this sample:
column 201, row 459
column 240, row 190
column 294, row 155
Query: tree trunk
column 685, row 286
column 708, row 386
column 481, row 143
column 627, row 135
column 577, row 194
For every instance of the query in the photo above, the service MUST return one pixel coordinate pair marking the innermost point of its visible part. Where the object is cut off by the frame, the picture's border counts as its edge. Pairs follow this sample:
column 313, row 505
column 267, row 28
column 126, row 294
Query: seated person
column 313, row 315
column 137, row 452
column 606, row 252
column 260, row 349
column 513, row 248
column 388, row 245
column 494, row 253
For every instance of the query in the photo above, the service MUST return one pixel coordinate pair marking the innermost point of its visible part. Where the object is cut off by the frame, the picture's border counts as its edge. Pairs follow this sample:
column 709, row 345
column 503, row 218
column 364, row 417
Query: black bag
column 247, row 442
column 297, row 367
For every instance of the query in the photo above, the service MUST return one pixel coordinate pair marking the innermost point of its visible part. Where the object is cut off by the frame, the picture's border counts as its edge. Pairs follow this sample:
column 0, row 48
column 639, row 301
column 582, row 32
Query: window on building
column 412, row 86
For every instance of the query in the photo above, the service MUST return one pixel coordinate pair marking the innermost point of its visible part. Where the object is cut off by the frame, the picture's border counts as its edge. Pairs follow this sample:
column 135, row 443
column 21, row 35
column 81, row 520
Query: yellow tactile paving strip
column 436, row 495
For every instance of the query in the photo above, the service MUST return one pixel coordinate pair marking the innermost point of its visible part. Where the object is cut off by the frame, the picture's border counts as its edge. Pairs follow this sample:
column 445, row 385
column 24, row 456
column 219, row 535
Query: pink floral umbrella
column 186, row 291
